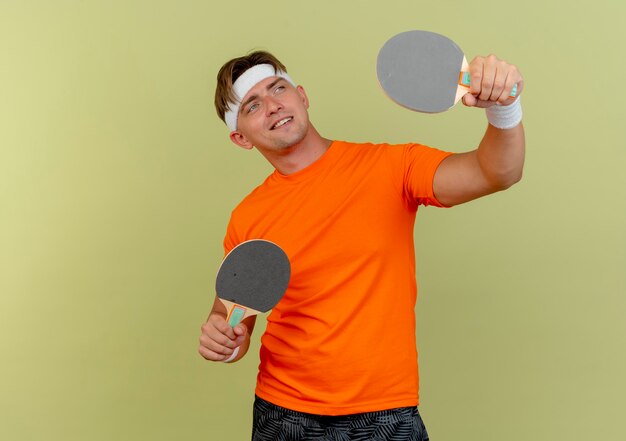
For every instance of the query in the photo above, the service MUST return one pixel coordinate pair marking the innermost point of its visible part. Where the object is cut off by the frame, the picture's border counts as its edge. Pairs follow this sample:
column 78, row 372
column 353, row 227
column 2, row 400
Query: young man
column 338, row 357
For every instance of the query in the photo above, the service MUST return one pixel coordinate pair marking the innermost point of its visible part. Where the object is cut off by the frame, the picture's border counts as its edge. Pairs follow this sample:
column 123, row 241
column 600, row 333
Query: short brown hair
column 228, row 74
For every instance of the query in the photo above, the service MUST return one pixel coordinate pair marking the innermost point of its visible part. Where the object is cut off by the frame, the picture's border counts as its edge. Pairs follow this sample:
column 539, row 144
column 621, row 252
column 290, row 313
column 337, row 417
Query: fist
column 491, row 82
column 218, row 340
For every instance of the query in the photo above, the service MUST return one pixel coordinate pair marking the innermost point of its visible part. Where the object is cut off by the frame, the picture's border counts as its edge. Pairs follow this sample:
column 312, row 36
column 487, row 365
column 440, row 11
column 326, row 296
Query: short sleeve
column 230, row 239
column 418, row 164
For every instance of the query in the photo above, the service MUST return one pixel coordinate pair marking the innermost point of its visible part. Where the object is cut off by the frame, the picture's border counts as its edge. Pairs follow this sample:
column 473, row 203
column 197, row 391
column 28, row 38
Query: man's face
column 273, row 116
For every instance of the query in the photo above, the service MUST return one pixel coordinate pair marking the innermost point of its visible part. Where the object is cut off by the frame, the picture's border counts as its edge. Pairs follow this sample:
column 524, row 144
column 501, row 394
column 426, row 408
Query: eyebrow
column 254, row 97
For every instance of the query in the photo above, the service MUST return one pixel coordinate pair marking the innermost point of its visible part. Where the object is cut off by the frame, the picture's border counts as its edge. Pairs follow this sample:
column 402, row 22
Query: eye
column 279, row 89
column 252, row 107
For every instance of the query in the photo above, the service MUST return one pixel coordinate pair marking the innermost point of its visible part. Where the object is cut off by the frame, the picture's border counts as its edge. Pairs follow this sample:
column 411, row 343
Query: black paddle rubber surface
column 255, row 274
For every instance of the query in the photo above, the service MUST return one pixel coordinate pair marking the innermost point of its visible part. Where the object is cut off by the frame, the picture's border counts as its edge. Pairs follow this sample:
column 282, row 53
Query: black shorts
column 275, row 423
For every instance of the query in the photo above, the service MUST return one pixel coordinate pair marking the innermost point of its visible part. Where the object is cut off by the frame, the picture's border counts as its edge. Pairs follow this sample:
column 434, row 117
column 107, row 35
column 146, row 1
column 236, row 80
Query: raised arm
column 498, row 161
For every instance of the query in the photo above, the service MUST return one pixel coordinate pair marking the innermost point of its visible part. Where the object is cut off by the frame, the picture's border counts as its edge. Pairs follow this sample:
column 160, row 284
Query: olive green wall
column 117, row 180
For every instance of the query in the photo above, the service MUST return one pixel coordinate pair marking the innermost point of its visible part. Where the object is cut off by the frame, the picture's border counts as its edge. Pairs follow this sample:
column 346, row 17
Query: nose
column 272, row 105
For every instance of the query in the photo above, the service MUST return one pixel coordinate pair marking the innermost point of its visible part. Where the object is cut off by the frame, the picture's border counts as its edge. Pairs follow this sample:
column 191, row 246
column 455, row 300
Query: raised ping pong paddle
column 252, row 279
column 424, row 71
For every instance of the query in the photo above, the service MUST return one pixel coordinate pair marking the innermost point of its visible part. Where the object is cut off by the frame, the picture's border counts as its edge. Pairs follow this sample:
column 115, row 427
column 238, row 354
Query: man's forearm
column 501, row 156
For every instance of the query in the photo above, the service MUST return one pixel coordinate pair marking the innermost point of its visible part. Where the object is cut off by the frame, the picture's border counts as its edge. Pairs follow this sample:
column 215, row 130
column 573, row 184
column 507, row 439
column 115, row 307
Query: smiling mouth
column 281, row 122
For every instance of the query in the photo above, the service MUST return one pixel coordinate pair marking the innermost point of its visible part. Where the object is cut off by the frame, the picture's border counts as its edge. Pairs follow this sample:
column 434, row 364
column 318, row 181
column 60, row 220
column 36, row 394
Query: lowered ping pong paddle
column 252, row 279
column 424, row 71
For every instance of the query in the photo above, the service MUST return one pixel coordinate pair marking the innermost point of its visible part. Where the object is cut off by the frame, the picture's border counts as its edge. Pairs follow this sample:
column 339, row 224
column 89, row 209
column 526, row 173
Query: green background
column 117, row 180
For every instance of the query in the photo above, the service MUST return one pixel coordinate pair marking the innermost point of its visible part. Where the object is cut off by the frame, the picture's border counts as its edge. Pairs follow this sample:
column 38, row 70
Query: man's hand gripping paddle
column 424, row 71
column 252, row 279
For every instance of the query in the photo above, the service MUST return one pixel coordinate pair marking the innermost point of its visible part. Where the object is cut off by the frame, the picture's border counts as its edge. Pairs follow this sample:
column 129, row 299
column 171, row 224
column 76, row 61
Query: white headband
column 247, row 81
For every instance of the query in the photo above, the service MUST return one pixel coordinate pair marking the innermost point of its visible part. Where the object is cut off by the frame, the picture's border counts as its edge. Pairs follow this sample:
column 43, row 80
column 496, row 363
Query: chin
column 285, row 143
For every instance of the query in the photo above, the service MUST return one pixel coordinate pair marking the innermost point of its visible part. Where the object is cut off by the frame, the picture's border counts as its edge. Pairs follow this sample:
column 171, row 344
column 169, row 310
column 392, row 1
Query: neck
column 298, row 156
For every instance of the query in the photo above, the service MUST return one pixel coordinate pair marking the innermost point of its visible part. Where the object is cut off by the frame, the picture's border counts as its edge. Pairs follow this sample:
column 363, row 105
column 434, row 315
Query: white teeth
column 281, row 122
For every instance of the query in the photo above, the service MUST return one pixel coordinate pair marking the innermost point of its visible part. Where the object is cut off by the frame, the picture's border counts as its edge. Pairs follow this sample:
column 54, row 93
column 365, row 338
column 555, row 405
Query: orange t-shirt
column 342, row 339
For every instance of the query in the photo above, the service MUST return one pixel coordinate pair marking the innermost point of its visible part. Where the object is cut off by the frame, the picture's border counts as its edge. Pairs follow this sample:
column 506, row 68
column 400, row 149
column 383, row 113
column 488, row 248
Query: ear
column 240, row 139
column 305, row 99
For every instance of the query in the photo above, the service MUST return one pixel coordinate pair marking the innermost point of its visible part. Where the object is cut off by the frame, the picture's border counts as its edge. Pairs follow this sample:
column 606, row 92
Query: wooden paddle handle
column 464, row 80
column 236, row 315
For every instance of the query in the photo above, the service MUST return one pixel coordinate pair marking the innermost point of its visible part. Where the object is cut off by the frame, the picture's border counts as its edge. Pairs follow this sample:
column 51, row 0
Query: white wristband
column 505, row 117
column 233, row 355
